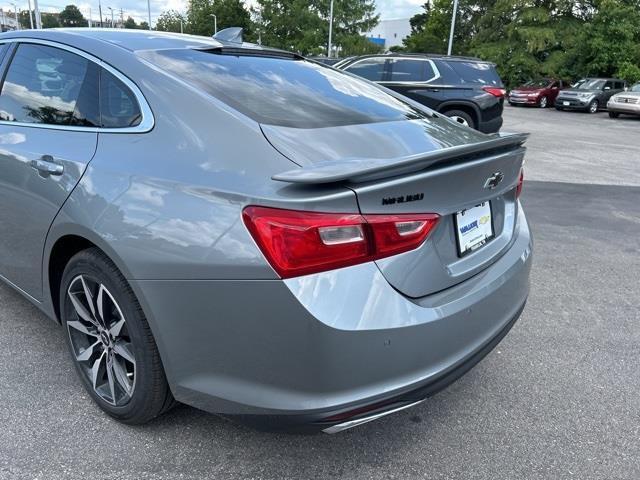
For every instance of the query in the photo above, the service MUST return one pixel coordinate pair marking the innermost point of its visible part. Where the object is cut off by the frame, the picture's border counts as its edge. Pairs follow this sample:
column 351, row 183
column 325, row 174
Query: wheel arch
column 467, row 107
column 62, row 245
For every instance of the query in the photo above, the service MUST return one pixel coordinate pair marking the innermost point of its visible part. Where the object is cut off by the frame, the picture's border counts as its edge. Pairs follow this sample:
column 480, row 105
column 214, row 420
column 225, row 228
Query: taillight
column 520, row 184
column 495, row 91
column 299, row 243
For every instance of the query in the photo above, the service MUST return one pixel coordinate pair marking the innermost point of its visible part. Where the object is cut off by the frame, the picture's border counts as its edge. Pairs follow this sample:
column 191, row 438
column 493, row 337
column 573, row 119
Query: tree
column 143, row 26
column 71, row 17
column 171, row 21
column 303, row 26
column 23, row 18
column 49, row 20
column 130, row 23
column 229, row 13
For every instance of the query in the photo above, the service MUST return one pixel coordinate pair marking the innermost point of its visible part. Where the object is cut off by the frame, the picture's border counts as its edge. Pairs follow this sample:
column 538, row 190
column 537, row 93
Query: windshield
column 540, row 83
column 636, row 88
column 283, row 91
column 591, row 84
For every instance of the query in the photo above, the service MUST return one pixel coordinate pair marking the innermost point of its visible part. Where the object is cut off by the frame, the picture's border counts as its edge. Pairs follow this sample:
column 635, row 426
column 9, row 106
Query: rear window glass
column 369, row 68
column 284, row 92
column 405, row 70
column 476, row 72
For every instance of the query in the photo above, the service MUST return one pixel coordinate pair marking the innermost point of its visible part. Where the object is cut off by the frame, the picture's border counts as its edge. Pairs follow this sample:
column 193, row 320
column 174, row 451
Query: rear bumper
column 290, row 354
column 490, row 126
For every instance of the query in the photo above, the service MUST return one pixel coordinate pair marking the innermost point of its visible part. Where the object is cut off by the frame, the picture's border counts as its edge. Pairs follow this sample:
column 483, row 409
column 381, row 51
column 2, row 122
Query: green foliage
column 303, row 25
column 130, row 23
column 143, row 26
column 50, row 20
column 229, row 13
column 629, row 72
column 533, row 38
column 70, row 17
column 170, row 21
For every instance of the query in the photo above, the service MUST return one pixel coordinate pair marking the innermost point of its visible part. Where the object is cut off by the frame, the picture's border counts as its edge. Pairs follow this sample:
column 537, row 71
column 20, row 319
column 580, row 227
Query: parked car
column 466, row 89
column 626, row 102
column 590, row 95
column 326, row 60
column 248, row 232
column 540, row 93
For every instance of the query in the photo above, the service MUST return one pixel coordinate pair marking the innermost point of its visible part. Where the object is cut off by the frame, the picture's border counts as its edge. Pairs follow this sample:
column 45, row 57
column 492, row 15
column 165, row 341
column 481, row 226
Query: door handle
column 47, row 166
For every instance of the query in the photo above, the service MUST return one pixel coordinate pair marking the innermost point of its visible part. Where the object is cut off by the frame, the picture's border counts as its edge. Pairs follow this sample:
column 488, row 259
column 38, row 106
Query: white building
column 390, row 33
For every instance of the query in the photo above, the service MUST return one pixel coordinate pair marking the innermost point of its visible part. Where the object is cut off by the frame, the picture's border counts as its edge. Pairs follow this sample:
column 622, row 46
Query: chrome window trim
column 147, row 122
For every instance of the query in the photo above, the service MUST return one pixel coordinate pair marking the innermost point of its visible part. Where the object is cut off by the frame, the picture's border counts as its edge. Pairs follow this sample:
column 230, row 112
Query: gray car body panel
column 166, row 207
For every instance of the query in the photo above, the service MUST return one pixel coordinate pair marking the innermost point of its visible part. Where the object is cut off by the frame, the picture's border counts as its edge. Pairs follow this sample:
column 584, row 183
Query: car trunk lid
column 417, row 166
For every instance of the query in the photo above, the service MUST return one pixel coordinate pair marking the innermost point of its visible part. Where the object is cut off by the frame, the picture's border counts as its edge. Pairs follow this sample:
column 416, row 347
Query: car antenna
column 230, row 35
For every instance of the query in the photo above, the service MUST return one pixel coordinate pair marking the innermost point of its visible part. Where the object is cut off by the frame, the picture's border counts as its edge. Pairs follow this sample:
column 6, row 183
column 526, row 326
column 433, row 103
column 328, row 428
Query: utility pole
column 329, row 48
column 121, row 18
column 30, row 17
column 100, row 12
column 149, row 12
column 453, row 26
column 90, row 21
column 37, row 15
column 181, row 26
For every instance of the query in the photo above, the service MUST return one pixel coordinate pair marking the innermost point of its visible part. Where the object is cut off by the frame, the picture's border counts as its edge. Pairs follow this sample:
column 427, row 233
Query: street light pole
column 330, row 29
column 30, row 17
column 215, row 23
column 453, row 26
column 100, row 12
column 15, row 12
column 37, row 15
column 149, row 12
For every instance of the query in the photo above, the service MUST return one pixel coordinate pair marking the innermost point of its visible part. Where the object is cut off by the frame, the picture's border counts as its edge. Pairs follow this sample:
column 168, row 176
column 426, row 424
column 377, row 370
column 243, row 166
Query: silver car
column 626, row 102
column 249, row 232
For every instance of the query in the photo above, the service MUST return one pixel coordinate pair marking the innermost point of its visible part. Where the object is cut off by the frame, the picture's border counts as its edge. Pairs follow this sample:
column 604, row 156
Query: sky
column 137, row 9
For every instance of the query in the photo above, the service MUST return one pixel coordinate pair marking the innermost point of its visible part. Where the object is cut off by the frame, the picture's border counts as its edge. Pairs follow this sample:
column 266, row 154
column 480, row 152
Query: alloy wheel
column 593, row 106
column 460, row 120
column 100, row 340
column 543, row 102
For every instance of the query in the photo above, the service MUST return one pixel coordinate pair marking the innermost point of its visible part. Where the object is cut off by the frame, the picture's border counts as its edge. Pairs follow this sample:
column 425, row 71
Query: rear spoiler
column 363, row 169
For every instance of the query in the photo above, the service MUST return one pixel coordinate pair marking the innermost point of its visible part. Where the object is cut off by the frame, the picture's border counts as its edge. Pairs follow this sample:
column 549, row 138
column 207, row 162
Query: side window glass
column 608, row 85
column 118, row 105
column 407, row 70
column 619, row 86
column 45, row 85
column 369, row 68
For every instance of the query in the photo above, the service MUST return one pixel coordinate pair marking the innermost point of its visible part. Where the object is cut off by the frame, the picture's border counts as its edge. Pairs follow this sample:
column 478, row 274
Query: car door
column 412, row 78
column 49, row 114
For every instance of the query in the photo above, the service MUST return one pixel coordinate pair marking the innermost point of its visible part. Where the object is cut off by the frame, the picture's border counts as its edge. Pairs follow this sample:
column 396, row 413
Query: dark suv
column 590, row 94
column 466, row 89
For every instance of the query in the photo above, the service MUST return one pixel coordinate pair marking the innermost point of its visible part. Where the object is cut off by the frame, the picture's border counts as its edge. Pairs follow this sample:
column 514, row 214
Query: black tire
column 543, row 102
column 461, row 117
column 560, row 109
column 593, row 107
column 149, row 394
column 614, row 114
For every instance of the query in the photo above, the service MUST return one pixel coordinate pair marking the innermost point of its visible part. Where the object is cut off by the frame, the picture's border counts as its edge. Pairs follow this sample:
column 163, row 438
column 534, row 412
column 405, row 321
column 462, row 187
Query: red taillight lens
column 299, row 243
column 520, row 184
column 495, row 91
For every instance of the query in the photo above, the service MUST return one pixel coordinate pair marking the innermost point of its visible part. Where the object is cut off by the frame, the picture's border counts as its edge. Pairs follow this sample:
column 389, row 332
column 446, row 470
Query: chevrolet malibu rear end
column 282, row 243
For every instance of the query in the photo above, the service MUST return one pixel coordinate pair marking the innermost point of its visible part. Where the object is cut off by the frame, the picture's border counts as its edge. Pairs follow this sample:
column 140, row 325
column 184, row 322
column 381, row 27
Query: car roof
column 132, row 40
column 431, row 56
column 605, row 78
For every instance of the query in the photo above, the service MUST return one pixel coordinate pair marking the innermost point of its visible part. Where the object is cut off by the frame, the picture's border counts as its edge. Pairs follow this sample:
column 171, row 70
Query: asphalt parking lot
column 558, row 399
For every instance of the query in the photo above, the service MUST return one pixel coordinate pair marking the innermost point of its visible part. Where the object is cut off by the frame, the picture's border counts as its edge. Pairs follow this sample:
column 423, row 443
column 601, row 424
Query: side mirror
column 607, row 88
